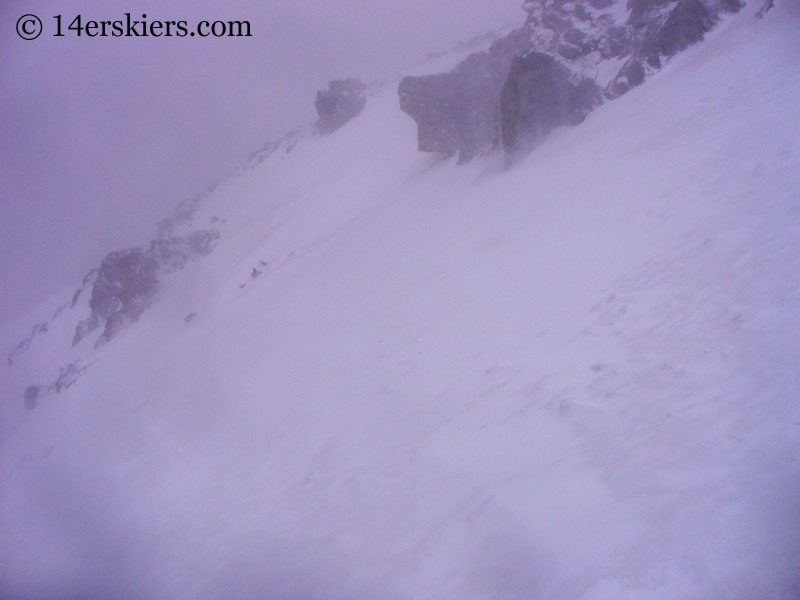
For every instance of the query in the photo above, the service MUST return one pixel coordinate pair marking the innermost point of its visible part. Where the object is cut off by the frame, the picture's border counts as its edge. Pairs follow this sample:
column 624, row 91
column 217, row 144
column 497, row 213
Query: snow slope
column 573, row 379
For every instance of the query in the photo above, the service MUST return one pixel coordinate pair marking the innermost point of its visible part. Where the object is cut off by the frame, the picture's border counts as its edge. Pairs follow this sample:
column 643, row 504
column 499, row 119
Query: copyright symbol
column 29, row 27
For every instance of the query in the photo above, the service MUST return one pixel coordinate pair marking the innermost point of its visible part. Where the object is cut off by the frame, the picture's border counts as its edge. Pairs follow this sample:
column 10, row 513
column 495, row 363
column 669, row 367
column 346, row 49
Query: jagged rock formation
column 67, row 377
column 24, row 345
column 122, row 288
column 172, row 254
column 127, row 280
column 342, row 101
column 184, row 213
column 540, row 94
column 567, row 58
column 125, row 283
column 40, row 329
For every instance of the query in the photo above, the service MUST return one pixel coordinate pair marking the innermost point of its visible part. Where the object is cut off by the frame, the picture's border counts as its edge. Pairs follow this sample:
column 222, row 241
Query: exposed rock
column 183, row 214
column 686, row 25
column 128, row 279
column 455, row 112
column 629, row 76
column 647, row 12
column 462, row 111
column 343, row 100
column 172, row 254
column 68, row 376
column 505, row 49
column 84, row 328
column 574, row 44
column 767, row 6
column 283, row 146
column 661, row 28
column 540, row 94
column 126, row 282
column 31, row 396
column 24, row 345
column 459, row 112
column 75, row 297
column 581, row 32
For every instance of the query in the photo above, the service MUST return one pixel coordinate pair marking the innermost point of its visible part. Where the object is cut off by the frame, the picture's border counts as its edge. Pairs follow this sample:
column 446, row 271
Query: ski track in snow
column 577, row 378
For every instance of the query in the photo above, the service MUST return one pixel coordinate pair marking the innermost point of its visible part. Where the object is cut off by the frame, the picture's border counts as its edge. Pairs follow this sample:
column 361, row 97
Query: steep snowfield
column 577, row 378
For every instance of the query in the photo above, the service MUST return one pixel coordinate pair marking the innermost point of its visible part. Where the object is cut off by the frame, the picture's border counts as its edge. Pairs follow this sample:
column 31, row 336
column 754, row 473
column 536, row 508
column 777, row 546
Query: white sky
column 102, row 137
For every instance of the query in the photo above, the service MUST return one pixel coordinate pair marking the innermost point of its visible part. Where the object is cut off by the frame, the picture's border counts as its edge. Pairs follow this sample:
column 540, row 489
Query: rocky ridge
column 566, row 59
column 117, row 293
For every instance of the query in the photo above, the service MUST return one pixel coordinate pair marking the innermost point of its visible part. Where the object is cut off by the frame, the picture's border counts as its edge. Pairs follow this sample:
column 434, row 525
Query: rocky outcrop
column 540, row 94
column 686, row 25
column 24, row 345
column 562, row 63
column 173, row 253
column 661, row 29
column 67, row 377
column 459, row 112
column 630, row 75
column 456, row 111
column 127, row 280
column 122, row 288
column 343, row 100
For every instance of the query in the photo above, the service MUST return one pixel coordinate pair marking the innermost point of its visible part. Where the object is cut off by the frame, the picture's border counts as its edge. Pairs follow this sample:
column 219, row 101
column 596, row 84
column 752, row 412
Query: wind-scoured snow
column 576, row 378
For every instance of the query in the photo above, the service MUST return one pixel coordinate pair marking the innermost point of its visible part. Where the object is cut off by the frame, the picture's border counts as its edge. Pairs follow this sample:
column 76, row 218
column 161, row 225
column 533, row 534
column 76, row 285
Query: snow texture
column 576, row 378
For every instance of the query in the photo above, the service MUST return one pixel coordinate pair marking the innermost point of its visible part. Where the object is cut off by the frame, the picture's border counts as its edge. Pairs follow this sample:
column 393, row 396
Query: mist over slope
column 398, row 377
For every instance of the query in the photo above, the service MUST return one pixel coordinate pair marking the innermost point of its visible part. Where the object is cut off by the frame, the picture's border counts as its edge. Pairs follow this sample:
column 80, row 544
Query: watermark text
column 30, row 27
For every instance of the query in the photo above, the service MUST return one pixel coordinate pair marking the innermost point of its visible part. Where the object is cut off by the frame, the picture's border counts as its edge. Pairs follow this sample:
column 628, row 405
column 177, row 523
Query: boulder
column 456, row 112
column 459, row 112
column 126, row 281
column 343, row 100
column 540, row 94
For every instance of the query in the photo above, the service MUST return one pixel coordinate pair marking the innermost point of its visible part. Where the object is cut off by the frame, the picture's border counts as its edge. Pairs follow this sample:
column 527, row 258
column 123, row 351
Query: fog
column 103, row 136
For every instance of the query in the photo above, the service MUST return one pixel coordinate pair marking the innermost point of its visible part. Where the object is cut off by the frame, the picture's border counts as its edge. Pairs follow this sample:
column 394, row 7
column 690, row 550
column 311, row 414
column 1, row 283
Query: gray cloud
column 102, row 137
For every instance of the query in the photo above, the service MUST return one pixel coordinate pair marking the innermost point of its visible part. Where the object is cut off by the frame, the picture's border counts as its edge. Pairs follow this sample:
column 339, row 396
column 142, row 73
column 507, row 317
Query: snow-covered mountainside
column 355, row 371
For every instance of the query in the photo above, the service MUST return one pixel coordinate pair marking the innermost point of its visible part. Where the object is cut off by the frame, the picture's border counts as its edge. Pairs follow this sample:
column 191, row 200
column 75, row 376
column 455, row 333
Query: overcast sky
column 101, row 137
